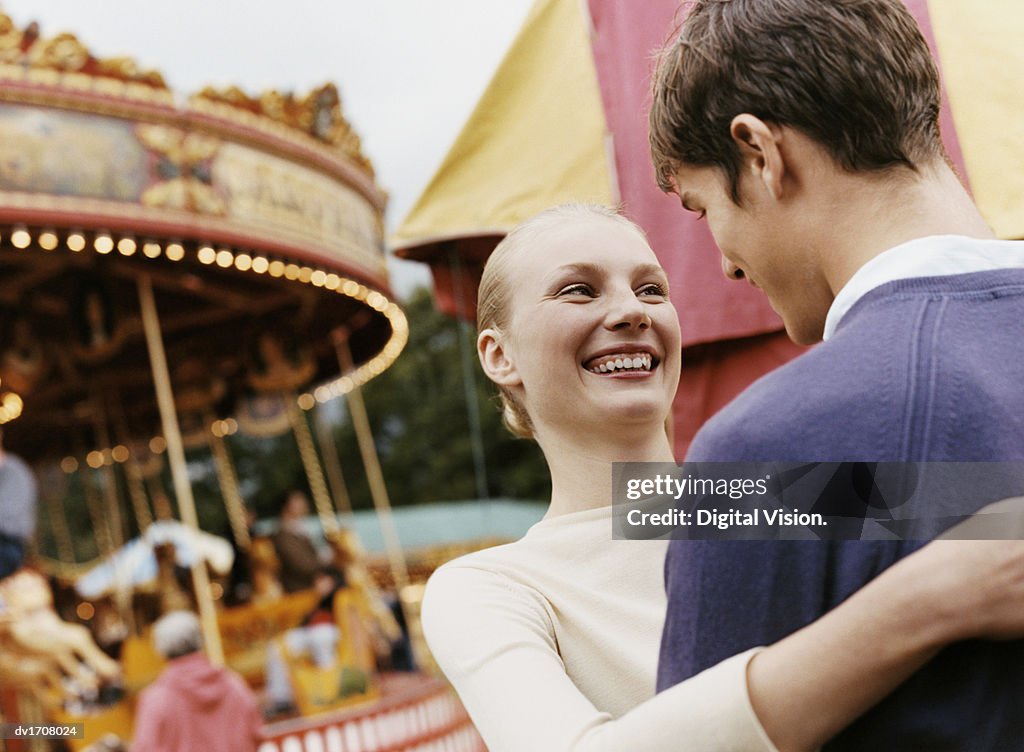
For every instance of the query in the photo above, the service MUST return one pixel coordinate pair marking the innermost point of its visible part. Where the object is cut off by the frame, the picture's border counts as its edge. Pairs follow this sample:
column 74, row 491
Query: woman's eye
column 577, row 289
column 652, row 289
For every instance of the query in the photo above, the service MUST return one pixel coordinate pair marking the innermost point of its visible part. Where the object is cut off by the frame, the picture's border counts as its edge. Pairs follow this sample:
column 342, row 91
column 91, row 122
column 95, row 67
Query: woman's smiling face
column 592, row 337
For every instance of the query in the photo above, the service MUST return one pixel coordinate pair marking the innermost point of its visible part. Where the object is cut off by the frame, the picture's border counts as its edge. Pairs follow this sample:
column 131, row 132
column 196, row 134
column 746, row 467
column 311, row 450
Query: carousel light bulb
column 151, row 249
column 276, row 268
column 175, row 252
column 206, row 255
column 318, row 278
column 76, row 242
column 103, row 244
column 305, row 275
column 158, row 445
column 126, row 246
column 231, row 426
column 306, row 401
column 94, row 459
column 243, row 262
column 291, row 272
column 332, row 281
column 225, row 258
column 217, row 428
column 48, row 241
column 350, row 288
column 322, row 394
column 21, row 239
column 120, row 453
column 10, row 407
column 260, row 265
column 69, row 465
column 108, row 457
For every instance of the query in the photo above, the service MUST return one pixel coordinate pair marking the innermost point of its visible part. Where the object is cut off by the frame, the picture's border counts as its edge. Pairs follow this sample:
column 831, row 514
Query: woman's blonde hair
column 493, row 309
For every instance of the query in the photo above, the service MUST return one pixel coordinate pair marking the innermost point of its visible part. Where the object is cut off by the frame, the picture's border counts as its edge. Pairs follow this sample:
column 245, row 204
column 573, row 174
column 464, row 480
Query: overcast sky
column 409, row 71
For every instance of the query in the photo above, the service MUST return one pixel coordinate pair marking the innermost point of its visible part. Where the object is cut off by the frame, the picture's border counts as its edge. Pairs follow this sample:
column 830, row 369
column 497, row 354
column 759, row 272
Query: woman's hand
column 975, row 586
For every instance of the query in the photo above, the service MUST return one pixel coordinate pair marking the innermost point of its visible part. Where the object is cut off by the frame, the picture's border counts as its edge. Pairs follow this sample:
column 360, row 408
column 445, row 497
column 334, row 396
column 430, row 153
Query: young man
column 806, row 133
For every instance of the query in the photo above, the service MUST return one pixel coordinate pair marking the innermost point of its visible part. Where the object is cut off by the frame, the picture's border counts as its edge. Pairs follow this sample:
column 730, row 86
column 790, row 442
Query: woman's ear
column 495, row 359
column 760, row 151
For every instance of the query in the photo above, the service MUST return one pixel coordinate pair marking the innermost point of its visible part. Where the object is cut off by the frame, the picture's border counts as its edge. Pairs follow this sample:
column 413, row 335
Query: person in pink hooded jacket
column 193, row 705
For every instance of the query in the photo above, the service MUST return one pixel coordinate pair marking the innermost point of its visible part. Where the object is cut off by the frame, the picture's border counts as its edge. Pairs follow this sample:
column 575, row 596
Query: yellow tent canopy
column 536, row 138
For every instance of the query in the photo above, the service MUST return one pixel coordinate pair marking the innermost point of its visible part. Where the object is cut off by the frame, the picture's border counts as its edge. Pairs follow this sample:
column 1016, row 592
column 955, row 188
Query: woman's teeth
column 639, row 362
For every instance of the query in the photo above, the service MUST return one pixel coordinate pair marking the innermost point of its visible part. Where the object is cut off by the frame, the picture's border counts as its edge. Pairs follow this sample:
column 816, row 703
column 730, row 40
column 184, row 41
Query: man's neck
column 875, row 214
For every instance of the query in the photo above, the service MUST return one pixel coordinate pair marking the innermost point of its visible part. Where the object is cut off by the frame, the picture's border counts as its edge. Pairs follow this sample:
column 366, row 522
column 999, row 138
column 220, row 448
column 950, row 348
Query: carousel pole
column 234, row 504
column 375, row 476
column 137, row 494
column 94, row 505
column 176, row 457
column 133, row 474
column 59, row 528
column 110, row 493
column 332, row 464
column 311, row 463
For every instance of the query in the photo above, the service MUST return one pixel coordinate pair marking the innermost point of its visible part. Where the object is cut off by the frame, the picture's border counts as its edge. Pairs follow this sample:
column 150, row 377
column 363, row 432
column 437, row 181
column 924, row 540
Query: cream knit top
column 552, row 644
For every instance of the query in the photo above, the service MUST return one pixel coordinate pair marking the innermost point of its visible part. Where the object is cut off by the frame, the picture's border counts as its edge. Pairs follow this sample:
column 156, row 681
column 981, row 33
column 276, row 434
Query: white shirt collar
column 935, row 256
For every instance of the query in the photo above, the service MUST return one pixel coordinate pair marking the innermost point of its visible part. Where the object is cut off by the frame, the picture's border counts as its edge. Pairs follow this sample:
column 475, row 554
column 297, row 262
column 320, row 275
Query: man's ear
column 760, row 151
column 495, row 360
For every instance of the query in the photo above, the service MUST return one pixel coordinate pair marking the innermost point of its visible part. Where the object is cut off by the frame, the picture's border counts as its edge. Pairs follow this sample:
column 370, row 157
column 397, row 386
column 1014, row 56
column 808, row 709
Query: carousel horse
column 40, row 645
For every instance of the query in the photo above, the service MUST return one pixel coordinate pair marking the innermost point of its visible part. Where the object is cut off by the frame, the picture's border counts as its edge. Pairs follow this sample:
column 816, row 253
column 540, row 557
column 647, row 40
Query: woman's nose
column 626, row 310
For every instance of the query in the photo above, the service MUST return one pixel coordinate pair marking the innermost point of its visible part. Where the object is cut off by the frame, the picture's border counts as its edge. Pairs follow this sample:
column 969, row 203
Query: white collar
column 934, row 256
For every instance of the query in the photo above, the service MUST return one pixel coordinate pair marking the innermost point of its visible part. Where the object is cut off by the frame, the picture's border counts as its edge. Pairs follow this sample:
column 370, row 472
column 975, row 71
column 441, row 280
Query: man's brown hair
column 856, row 76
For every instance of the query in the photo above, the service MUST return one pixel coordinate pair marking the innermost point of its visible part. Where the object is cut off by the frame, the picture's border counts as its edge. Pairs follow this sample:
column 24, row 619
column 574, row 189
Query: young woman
column 552, row 641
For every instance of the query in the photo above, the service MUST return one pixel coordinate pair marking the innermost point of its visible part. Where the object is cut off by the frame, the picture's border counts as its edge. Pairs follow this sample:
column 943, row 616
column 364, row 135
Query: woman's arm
column 494, row 641
column 853, row 656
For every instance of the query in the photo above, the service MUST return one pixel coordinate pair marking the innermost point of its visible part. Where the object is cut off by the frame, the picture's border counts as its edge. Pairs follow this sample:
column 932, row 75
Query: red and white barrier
column 415, row 713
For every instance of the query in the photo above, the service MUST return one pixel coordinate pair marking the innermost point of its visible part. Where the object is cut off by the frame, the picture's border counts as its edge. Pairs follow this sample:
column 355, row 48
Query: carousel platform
column 413, row 713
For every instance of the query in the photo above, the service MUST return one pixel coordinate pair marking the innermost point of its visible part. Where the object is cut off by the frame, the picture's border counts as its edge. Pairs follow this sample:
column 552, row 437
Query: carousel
column 174, row 271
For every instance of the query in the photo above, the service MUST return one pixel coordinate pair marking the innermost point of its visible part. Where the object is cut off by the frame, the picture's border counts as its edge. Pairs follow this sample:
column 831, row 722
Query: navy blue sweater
column 928, row 369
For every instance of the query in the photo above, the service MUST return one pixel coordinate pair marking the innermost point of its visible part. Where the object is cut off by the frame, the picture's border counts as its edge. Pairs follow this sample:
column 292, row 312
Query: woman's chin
column 631, row 415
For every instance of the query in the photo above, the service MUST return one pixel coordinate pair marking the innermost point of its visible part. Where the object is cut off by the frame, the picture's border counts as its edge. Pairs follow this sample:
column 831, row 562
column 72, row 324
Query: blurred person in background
column 193, row 705
column 18, row 498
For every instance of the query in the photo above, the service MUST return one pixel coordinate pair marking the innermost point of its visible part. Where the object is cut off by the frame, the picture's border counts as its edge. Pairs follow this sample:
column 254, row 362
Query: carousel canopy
column 256, row 219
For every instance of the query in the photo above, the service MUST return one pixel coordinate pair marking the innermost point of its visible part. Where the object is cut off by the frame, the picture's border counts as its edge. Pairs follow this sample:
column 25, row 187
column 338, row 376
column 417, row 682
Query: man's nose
column 730, row 270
